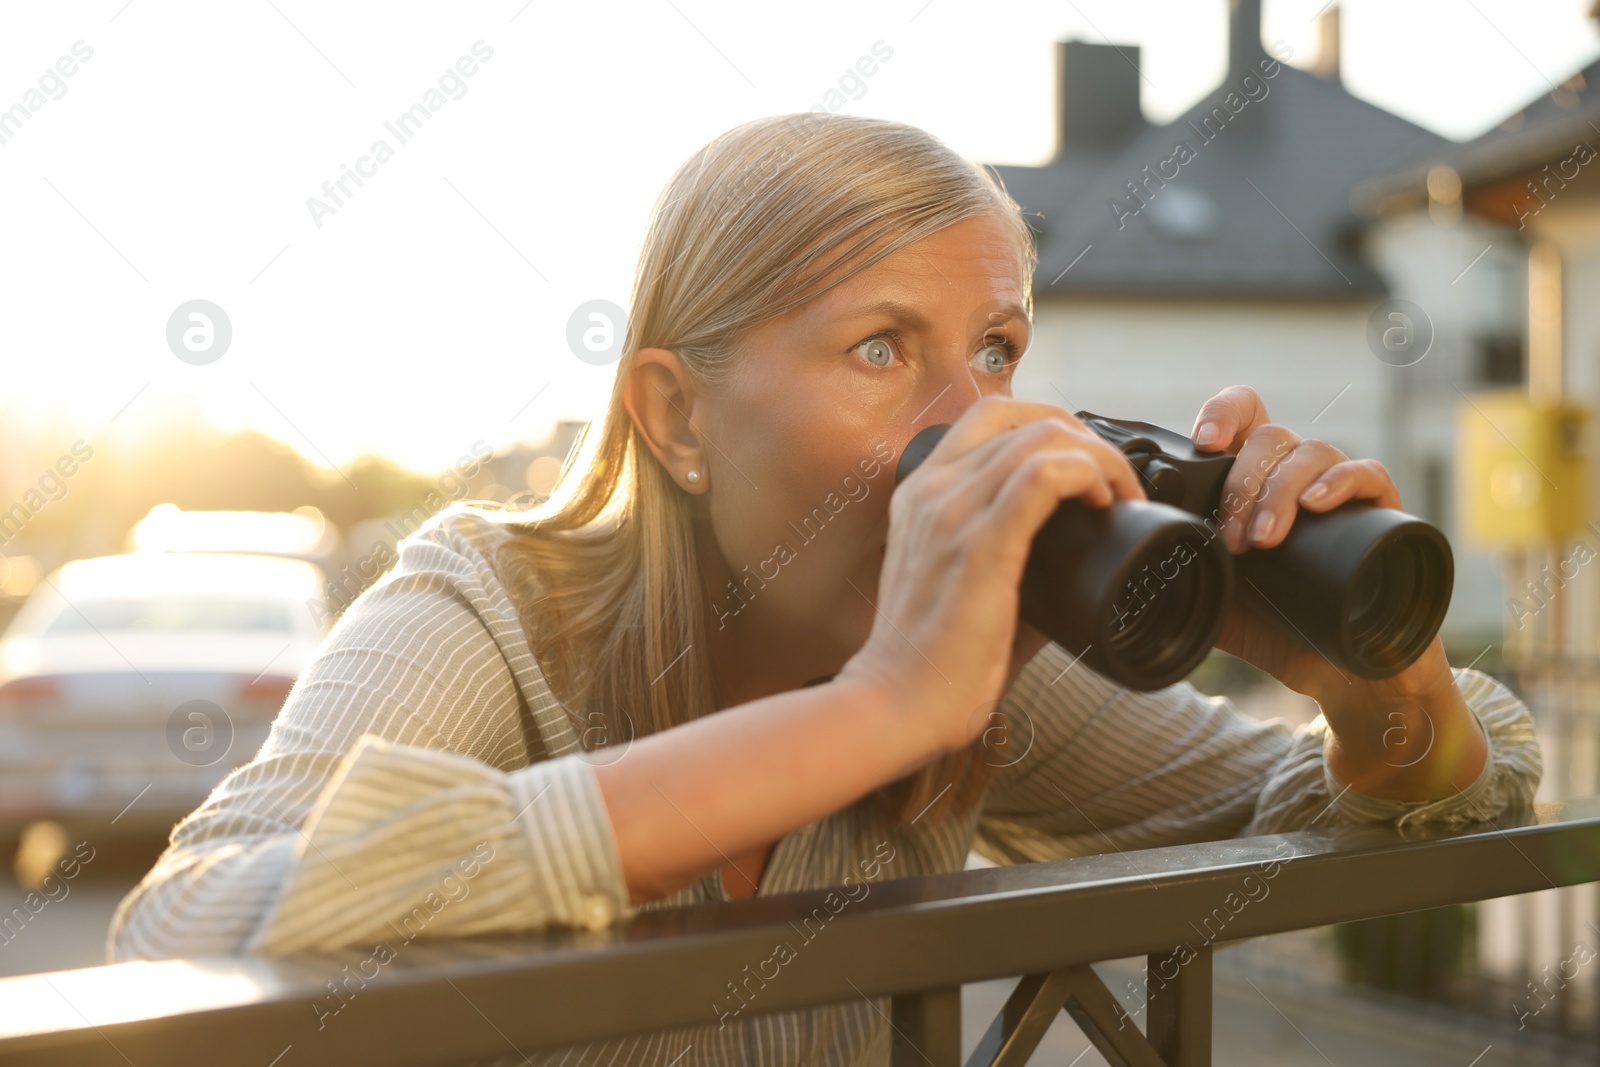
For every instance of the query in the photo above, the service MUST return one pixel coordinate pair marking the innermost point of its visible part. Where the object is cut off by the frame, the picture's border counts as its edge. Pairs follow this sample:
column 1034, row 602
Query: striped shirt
column 421, row 780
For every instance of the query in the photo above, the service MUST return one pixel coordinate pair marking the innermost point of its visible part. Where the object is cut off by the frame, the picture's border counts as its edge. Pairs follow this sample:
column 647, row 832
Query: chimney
column 1097, row 95
column 1246, row 53
column 1327, row 64
column 1244, row 37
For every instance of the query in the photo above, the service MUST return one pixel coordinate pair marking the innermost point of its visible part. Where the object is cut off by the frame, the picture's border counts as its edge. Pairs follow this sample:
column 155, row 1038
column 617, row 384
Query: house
column 1223, row 248
column 1528, row 191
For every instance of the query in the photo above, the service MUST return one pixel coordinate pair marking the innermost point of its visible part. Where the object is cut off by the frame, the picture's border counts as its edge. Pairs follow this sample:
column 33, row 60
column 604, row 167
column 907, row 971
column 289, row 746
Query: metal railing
column 914, row 940
column 1561, row 694
column 1518, row 952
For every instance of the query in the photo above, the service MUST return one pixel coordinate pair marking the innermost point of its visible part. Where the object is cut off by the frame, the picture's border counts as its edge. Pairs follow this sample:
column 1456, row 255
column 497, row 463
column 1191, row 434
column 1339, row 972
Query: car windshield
column 172, row 614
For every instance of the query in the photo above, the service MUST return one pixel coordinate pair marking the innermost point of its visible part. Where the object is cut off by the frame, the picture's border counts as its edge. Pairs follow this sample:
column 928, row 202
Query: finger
column 1269, row 445
column 1122, row 480
column 988, row 464
column 1227, row 419
column 1035, row 489
column 954, row 493
column 1356, row 479
column 1275, row 509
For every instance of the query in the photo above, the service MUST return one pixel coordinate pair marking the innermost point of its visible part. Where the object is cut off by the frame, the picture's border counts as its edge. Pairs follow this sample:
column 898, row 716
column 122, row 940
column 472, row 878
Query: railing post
column 927, row 1028
column 1179, row 1009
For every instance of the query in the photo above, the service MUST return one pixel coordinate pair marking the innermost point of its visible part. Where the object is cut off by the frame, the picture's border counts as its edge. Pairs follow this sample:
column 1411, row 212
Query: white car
column 131, row 684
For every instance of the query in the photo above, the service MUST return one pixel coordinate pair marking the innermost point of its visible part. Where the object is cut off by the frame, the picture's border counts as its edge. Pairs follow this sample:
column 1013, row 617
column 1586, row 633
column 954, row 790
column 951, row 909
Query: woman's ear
column 660, row 396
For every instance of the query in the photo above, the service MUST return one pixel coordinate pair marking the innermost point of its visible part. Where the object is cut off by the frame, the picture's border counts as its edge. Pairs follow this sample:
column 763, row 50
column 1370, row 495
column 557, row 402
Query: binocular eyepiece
column 1140, row 589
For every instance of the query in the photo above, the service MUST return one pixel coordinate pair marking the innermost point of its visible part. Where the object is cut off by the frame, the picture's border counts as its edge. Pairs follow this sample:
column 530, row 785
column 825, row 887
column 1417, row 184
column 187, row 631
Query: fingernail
column 1207, row 434
column 1262, row 528
column 1314, row 493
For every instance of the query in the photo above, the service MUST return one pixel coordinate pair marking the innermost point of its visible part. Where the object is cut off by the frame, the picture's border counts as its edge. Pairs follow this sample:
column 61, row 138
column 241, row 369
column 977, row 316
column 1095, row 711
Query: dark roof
column 1262, row 209
column 1549, row 126
column 1578, row 93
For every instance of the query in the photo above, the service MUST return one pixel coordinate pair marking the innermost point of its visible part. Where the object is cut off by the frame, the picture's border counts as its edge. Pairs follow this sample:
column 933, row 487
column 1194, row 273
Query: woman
column 729, row 658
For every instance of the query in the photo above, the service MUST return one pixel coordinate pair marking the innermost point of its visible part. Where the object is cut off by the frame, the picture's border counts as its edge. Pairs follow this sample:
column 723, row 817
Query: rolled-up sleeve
column 477, row 850
column 1108, row 768
column 396, row 795
column 1303, row 781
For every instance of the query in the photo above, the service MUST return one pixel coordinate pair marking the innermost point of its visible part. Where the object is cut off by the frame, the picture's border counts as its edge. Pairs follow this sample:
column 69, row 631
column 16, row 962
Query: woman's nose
column 953, row 395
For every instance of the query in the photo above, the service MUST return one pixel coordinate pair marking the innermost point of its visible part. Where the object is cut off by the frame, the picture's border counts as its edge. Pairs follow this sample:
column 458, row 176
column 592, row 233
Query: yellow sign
column 1523, row 478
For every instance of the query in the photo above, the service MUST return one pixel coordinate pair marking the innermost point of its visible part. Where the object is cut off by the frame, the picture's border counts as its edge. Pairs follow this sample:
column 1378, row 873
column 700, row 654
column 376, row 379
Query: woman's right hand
column 946, row 641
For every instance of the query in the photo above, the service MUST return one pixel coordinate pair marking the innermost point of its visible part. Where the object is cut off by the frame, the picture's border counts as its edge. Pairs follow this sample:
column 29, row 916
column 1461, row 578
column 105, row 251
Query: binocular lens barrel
column 1136, row 589
column 1388, row 609
column 1140, row 589
column 1365, row 586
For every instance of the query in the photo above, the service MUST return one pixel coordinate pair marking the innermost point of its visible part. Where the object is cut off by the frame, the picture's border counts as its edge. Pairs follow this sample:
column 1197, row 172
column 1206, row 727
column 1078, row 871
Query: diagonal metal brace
column 1180, row 1017
column 1022, row 1022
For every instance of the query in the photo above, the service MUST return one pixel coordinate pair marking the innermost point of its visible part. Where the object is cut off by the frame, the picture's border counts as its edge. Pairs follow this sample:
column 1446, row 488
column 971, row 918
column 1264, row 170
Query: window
column 1499, row 359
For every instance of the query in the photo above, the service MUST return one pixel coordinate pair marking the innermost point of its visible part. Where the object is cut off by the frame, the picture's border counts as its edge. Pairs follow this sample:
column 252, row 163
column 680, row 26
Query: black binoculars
column 1139, row 590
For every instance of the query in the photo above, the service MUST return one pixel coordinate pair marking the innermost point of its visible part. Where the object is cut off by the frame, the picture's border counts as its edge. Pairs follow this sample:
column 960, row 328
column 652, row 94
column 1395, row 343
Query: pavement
column 69, row 930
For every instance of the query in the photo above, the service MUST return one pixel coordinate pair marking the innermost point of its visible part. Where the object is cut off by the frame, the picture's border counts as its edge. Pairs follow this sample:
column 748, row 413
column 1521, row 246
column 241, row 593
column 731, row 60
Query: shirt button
column 596, row 912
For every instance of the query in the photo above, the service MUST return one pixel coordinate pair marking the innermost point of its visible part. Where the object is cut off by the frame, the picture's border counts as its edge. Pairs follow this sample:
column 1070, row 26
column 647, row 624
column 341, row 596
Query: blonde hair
column 760, row 220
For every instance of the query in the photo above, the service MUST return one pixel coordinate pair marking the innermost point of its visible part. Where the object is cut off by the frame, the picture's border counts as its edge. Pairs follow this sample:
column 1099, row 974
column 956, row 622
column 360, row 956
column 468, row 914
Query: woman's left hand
column 1276, row 474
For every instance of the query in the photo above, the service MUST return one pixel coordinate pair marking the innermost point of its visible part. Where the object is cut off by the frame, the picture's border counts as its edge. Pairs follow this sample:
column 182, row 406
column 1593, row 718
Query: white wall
column 1158, row 360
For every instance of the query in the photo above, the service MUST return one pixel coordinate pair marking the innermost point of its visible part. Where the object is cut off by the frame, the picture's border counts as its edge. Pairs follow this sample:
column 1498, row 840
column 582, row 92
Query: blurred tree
column 194, row 467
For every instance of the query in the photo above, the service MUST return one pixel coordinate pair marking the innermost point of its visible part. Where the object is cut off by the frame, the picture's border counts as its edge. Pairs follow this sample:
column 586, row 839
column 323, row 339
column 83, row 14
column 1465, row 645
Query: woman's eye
column 876, row 351
column 993, row 358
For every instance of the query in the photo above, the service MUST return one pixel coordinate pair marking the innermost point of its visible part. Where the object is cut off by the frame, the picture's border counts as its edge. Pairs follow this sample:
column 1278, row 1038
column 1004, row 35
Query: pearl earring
column 693, row 476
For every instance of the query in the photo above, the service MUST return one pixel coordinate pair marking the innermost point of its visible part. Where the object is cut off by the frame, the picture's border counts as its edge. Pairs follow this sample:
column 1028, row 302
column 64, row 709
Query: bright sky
column 431, row 309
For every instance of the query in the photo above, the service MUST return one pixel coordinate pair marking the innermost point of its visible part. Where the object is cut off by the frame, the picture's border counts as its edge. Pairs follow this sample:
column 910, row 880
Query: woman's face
column 801, row 444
